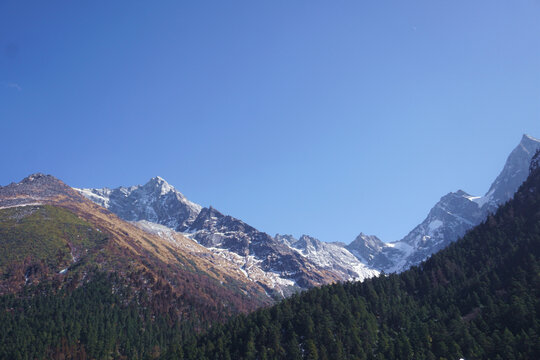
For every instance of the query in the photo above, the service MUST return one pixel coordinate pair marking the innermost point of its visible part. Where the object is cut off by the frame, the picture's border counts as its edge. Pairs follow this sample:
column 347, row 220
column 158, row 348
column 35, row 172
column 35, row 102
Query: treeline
column 90, row 322
column 477, row 299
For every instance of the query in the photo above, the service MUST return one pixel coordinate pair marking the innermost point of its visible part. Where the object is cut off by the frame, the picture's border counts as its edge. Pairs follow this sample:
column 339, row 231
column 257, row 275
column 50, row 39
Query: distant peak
column 37, row 176
column 527, row 138
column 158, row 179
column 160, row 184
column 307, row 237
column 36, row 187
column 462, row 193
column 364, row 236
column 34, row 176
column 455, row 194
column 369, row 240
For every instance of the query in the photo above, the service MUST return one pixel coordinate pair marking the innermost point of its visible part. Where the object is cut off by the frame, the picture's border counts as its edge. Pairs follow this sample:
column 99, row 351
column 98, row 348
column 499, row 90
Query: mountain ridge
column 170, row 208
column 476, row 299
column 191, row 274
column 282, row 269
column 451, row 217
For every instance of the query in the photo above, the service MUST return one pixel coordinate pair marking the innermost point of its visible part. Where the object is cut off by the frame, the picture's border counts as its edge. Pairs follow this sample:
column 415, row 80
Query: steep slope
column 514, row 173
column 156, row 201
column 371, row 250
column 280, row 269
column 451, row 217
column 49, row 231
column 262, row 257
column 477, row 299
column 329, row 256
column 40, row 241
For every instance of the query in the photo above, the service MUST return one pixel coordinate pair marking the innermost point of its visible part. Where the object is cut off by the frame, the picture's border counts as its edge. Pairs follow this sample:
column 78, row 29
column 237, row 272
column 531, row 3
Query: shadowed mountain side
column 476, row 299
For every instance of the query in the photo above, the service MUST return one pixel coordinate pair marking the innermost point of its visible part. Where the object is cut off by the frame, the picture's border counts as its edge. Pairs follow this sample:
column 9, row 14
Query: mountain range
column 478, row 298
column 284, row 263
column 279, row 268
column 451, row 217
column 157, row 276
column 50, row 232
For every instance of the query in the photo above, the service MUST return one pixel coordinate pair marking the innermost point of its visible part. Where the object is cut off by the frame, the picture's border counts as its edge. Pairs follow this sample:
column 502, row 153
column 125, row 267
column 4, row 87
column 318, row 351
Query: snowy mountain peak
column 514, row 173
column 159, row 184
column 368, row 248
column 528, row 138
column 157, row 181
column 155, row 201
column 288, row 240
column 329, row 256
column 306, row 238
column 462, row 193
column 369, row 239
column 451, row 217
column 458, row 196
column 306, row 241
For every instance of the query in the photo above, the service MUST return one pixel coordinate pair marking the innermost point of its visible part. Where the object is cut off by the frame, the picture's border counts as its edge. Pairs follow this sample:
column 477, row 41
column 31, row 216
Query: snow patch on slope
column 156, row 201
column 329, row 256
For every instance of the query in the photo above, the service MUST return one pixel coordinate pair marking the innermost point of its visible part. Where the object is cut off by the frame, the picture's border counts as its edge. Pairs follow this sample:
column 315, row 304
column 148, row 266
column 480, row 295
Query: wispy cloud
column 12, row 85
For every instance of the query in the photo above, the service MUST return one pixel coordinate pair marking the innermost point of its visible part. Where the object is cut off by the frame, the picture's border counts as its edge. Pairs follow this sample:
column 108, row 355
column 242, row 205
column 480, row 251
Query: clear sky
column 320, row 117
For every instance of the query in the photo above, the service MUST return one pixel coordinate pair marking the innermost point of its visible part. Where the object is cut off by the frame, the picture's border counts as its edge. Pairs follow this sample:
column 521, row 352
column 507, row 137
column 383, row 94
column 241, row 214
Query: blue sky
column 320, row 117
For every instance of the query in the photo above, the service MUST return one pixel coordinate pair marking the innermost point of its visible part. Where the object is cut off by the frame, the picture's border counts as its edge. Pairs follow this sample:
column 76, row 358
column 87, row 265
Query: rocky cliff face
column 261, row 258
column 290, row 263
column 36, row 189
column 372, row 251
column 261, row 254
column 50, row 232
column 514, row 173
column 450, row 218
column 156, row 201
column 333, row 257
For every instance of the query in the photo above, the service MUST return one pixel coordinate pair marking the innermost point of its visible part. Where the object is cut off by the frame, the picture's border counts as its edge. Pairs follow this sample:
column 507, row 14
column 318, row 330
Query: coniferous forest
column 477, row 299
column 269, row 180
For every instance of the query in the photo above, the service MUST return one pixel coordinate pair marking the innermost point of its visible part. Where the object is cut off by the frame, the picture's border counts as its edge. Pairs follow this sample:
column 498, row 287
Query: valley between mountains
column 145, row 258
column 284, row 264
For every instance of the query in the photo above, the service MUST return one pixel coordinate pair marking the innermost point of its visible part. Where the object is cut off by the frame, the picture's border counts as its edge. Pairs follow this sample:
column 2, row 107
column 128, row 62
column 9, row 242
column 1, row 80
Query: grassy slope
column 45, row 235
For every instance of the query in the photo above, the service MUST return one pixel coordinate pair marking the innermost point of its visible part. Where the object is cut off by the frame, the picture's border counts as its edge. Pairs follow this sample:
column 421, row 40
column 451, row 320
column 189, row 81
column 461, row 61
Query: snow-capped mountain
column 372, row 251
column 449, row 219
column 333, row 257
column 514, row 173
column 156, row 201
column 284, row 263
column 62, row 236
column 263, row 259
column 257, row 253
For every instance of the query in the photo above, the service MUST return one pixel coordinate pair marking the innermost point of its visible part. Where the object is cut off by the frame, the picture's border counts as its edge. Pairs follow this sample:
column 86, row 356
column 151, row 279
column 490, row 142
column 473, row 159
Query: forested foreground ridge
column 477, row 299
column 78, row 282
